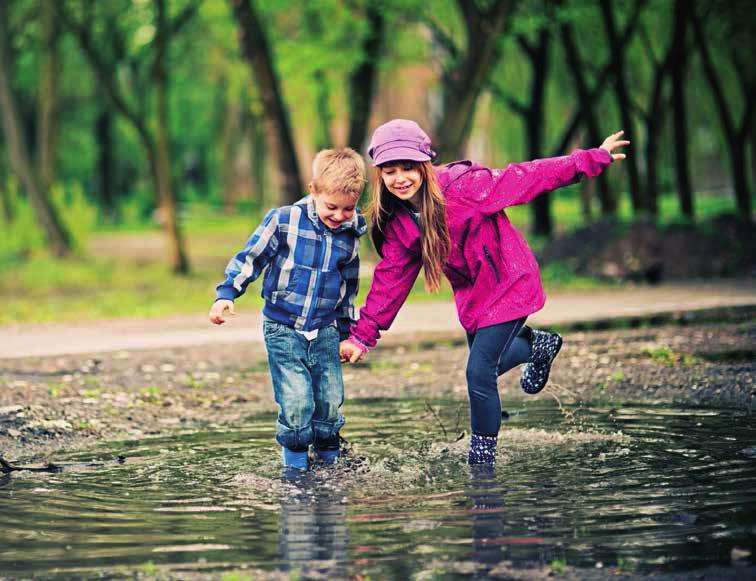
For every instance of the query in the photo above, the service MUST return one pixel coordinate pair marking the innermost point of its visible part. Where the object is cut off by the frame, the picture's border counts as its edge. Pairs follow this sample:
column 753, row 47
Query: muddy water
column 640, row 489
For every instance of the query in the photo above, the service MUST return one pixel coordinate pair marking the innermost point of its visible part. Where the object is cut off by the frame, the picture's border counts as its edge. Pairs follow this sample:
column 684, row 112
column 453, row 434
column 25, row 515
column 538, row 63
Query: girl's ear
column 311, row 189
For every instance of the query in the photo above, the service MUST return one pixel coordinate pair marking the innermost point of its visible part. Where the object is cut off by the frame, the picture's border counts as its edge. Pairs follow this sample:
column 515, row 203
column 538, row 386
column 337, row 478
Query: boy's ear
column 311, row 189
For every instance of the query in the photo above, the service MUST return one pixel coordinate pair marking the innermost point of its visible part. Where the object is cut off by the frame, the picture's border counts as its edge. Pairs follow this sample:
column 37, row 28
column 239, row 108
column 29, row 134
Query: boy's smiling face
column 334, row 208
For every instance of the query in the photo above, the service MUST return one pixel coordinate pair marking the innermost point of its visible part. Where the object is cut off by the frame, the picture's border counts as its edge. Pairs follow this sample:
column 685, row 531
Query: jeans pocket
column 272, row 328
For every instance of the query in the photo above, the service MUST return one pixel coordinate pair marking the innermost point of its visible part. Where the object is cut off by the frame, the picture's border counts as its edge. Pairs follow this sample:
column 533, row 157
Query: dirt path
column 17, row 341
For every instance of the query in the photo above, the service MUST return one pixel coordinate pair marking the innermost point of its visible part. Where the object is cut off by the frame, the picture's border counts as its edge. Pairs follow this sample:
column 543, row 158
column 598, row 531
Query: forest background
column 142, row 140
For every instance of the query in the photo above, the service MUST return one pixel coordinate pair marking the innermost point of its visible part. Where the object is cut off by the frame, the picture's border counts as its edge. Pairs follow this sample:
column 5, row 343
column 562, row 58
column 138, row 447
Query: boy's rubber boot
column 544, row 348
column 328, row 456
column 294, row 458
column 482, row 450
column 328, row 451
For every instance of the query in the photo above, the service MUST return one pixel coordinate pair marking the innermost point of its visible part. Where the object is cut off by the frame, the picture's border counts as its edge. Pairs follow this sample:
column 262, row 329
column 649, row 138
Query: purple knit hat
column 400, row 139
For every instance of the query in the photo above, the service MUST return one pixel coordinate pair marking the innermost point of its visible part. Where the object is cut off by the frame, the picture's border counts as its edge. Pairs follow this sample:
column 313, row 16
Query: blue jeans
column 307, row 385
column 494, row 350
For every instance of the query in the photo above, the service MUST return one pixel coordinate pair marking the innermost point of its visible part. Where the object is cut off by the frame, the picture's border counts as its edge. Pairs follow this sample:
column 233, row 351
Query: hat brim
column 400, row 154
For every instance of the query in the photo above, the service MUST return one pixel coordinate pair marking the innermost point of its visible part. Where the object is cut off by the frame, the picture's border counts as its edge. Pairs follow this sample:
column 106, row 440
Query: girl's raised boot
column 544, row 347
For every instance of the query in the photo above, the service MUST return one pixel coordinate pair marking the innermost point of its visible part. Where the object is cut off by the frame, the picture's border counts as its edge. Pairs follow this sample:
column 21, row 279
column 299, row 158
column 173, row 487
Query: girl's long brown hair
column 434, row 230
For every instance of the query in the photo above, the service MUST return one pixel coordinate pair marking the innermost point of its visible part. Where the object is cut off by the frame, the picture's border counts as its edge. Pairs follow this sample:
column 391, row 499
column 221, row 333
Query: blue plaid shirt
column 312, row 271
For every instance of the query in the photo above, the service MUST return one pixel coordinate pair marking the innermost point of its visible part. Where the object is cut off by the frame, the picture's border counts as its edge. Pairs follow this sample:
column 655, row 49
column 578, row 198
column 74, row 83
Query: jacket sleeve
column 350, row 273
column 492, row 190
column 247, row 265
column 393, row 279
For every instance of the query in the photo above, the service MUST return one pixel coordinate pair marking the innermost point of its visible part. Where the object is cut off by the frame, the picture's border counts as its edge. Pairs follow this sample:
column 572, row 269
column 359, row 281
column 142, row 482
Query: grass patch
column 669, row 357
column 123, row 271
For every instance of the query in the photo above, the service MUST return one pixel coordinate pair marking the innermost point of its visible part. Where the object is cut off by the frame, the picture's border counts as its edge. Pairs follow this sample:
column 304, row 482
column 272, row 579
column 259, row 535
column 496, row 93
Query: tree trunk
column 623, row 101
column 259, row 159
column 607, row 201
column 363, row 79
column 320, row 85
column 57, row 237
column 736, row 134
column 105, row 164
column 254, row 47
column 740, row 178
column 6, row 202
column 543, row 224
column 161, row 151
column 47, row 109
column 654, row 125
column 464, row 83
column 323, row 115
column 586, row 194
column 679, row 111
column 228, row 127
column 753, row 156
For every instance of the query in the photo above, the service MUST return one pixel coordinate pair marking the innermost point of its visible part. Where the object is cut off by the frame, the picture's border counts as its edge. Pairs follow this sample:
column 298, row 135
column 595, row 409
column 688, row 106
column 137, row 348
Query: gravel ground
column 49, row 404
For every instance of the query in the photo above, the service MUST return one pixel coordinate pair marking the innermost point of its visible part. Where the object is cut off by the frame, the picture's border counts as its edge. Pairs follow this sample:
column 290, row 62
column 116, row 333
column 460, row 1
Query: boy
column 311, row 251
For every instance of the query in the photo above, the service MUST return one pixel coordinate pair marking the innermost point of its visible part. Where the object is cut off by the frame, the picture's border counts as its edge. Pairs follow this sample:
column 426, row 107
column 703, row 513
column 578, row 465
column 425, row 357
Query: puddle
column 655, row 489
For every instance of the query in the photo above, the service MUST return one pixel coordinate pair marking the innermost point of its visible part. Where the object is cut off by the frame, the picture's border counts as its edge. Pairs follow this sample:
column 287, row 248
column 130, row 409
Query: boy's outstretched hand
column 220, row 310
column 613, row 142
column 349, row 352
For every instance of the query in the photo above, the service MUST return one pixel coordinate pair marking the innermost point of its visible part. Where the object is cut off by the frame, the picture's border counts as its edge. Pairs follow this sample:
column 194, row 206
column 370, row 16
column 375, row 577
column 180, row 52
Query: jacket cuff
column 360, row 344
column 226, row 293
column 593, row 161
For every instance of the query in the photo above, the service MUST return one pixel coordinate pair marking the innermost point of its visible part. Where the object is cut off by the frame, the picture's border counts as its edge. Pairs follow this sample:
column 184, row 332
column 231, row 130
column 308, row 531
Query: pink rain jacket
column 492, row 271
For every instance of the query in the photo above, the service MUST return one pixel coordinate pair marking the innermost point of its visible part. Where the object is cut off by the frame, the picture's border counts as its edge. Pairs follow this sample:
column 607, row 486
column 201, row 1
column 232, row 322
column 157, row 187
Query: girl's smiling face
column 403, row 179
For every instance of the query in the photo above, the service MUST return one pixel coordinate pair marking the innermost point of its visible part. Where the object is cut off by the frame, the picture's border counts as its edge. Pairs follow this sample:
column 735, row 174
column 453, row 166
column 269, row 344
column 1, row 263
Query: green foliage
column 559, row 566
column 22, row 235
column 316, row 46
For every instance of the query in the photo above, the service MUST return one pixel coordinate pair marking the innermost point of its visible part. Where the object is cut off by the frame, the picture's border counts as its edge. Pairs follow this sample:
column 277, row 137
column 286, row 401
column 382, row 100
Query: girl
column 449, row 220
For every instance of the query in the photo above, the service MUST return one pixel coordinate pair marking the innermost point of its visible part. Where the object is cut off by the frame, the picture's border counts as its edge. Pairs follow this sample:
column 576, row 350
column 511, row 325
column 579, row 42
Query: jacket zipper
column 492, row 263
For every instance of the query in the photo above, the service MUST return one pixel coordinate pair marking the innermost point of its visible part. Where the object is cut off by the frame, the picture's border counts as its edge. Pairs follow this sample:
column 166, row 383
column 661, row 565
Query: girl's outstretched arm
column 518, row 183
column 393, row 279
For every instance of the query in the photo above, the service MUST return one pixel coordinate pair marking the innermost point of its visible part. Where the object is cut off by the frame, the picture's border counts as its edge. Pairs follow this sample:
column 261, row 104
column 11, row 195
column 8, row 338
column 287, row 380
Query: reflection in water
column 646, row 489
column 488, row 516
column 313, row 532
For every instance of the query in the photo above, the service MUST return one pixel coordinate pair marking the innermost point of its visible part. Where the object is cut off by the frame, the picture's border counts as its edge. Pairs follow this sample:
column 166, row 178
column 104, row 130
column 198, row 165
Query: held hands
column 220, row 310
column 613, row 142
column 349, row 352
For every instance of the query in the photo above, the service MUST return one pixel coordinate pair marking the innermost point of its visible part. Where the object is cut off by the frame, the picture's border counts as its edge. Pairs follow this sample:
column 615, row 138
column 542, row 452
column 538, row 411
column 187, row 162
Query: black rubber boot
column 544, row 348
column 482, row 449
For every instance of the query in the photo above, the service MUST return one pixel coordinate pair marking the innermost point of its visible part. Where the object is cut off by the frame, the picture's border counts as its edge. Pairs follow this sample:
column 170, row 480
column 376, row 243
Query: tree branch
column 189, row 11
column 442, row 38
column 102, row 70
column 510, row 100
column 526, row 46
column 603, row 78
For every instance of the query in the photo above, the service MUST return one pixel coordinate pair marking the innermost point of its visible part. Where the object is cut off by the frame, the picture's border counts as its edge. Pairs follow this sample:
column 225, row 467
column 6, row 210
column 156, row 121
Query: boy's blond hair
column 338, row 171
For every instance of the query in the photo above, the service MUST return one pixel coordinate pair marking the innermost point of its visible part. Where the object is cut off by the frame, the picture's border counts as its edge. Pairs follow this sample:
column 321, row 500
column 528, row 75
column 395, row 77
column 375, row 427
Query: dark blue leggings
column 494, row 350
